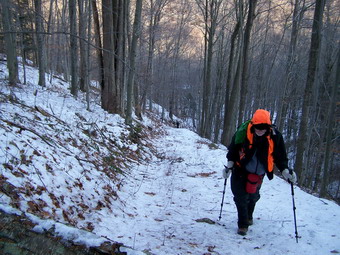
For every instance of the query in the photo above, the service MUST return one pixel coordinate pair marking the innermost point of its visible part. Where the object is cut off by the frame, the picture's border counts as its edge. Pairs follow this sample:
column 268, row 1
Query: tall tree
column 132, row 59
column 259, row 96
column 40, row 42
column 110, row 101
column 245, row 61
column 307, row 97
column 177, row 46
column 26, row 32
column 329, row 129
column 217, row 101
column 156, row 9
column 98, row 43
column 210, row 10
column 291, row 70
column 88, row 57
column 233, row 78
column 83, row 64
column 10, row 41
column 73, row 47
column 120, row 24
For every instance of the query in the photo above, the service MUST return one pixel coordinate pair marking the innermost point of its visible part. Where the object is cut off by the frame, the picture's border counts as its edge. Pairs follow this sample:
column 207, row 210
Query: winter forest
column 210, row 63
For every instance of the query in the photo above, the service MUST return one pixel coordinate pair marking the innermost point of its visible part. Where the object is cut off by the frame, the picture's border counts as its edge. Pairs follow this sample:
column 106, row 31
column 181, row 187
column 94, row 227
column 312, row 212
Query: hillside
column 153, row 188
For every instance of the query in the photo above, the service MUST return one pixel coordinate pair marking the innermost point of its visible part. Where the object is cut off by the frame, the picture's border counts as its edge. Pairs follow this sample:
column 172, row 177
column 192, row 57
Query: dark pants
column 244, row 201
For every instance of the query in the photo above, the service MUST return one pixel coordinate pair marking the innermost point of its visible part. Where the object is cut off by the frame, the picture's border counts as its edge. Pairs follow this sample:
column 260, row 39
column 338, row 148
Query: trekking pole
column 294, row 209
column 225, row 184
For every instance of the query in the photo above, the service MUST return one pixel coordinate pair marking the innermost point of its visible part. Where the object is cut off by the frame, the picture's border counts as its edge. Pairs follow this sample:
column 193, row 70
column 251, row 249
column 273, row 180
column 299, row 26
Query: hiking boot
column 250, row 222
column 242, row 231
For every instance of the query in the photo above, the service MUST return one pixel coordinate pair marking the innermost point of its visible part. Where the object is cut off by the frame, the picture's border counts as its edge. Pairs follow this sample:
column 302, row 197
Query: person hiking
column 255, row 148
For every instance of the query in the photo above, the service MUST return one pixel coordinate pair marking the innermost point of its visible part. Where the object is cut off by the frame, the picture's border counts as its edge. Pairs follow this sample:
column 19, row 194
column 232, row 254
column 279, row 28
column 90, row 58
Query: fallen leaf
column 206, row 220
column 150, row 193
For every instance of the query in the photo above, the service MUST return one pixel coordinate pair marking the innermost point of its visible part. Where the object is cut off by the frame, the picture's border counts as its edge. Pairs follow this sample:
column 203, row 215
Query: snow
column 154, row 207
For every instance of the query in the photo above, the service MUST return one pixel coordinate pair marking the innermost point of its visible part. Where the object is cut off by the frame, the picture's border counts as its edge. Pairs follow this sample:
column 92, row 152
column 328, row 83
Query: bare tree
column 245, row 61
column 40, row 42
column 177, row 49
column 329, row 130
column 132, row 58
column 307, row 97
column 218, row 95
column 120, row 24
column 156, row 9
column 258, row 97
column 291, row 70
column 26, row 33
column 210, row 10
column 88, row 57
column 98, row 43
column 233, row 79
column 83, row 63
column 109, row 100
column 73, row 47
column 10, row 42
column 325, row 176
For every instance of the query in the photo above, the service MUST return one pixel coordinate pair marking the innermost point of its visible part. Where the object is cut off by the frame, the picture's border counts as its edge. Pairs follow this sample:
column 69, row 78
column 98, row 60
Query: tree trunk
column 231, row 108
column 109, row 100
column 98, row 43
column 217, row 102
column 26, row 37
column 73, row 47
column 307, row 97
column 204, row 106
column 40, row 42
column 330, row 120
column 120, row 52
column 291, row 71
column 83, row 65
column 49, row 53
column 10, row 42
column 226, row 122
column 132, row 58
column 88, row 51
column 211, row 11
column 156, row 8
column 258, row 97
column 118, row 36
column 244, row 79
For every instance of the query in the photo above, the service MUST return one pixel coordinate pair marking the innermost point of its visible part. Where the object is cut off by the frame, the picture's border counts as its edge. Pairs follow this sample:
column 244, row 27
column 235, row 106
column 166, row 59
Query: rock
column 17, row 237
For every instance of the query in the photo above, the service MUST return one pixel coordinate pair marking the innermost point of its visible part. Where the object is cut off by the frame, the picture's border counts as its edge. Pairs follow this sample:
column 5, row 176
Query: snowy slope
column 186, row 186
column 63, row 164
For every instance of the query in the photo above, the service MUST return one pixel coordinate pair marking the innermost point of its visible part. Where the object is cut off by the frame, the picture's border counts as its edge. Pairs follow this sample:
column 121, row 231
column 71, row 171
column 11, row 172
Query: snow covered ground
column 171, row 194
column 157, row 207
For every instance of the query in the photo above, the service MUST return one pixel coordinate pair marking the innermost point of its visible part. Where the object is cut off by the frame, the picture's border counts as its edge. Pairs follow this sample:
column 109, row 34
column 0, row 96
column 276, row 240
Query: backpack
column 241, row 132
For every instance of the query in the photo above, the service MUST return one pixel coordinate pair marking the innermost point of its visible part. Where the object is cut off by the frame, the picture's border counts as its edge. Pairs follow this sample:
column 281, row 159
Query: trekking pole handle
column 291, row 172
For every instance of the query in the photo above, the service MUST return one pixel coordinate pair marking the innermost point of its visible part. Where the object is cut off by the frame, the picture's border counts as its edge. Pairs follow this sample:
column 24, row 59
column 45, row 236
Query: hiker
column 254, row 149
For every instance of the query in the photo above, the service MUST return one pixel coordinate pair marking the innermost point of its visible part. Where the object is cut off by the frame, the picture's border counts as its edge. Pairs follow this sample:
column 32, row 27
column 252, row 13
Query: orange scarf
column 250, row 137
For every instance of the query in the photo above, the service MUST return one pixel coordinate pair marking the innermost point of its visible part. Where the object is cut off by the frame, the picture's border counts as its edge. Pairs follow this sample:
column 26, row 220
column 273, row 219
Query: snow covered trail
column 158, row 202
column 184, row 185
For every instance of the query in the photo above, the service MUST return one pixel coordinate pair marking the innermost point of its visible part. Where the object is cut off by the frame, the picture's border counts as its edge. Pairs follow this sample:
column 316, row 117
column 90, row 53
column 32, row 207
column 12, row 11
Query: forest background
column 209, row 62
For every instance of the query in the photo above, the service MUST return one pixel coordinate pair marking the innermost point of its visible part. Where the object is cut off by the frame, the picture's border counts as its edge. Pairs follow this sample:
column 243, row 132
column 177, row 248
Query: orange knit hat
column 261, row 117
